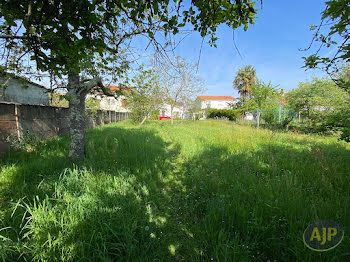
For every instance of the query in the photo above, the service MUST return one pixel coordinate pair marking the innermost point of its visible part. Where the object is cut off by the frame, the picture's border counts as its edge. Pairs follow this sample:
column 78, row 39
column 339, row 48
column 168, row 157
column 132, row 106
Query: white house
column 110, row 103
column 217, row 102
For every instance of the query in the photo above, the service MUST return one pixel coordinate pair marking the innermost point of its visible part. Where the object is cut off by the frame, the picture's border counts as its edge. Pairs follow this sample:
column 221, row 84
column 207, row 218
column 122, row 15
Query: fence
column 45, row 121
column 278, row 114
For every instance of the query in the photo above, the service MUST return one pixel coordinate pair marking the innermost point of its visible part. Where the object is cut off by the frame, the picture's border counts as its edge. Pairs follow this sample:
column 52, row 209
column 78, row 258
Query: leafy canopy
column 317, row 100
column 64, row 35
column 263, row 96
column 145, row 98
column 333, row 32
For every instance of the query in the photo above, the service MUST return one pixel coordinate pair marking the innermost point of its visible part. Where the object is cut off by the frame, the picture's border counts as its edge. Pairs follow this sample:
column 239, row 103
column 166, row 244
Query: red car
column 164, row 117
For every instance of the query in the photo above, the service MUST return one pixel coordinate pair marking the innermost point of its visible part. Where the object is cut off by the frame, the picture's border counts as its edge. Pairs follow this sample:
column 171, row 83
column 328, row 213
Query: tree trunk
column 143, row 120
column 171, row 115
column 258, row 119
column 77, row 127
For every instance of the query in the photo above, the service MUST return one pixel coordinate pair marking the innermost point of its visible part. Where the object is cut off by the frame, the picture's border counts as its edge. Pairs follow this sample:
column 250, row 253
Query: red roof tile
column 113, row 89
column 281, row 102
column 216, row 97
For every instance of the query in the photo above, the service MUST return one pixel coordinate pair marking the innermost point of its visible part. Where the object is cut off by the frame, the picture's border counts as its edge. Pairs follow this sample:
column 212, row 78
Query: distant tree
column 262, row 97
column 342, row 77
column 179, row 82
column 58, row 100
column 317, row 101
column 145, row 97
column 341, row 119
column 332, row 33
column 194, row 108
column 86, row 40
column 244, row 81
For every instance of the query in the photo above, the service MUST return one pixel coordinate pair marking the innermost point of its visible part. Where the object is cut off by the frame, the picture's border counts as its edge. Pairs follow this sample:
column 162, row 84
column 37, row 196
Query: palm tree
column 245, row 80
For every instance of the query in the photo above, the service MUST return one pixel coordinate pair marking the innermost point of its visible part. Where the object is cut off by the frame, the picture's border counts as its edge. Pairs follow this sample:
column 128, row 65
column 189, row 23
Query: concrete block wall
column 8, row 125
column 16, row 120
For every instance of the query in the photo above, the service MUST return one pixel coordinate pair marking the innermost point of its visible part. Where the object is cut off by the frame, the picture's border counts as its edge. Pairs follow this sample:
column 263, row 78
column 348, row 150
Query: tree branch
column 96, row 82
column 14, row 37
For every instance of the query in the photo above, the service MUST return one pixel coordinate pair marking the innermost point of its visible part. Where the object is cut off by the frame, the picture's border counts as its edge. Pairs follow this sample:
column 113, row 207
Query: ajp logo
column 323, row 235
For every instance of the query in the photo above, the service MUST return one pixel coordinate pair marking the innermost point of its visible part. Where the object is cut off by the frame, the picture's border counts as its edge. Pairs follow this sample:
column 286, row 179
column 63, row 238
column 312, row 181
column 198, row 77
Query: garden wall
column 16, row 120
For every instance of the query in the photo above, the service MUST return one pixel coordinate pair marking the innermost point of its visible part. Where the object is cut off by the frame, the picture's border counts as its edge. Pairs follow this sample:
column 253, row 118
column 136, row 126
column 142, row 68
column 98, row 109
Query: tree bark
column 258, row 120
column 77, row 128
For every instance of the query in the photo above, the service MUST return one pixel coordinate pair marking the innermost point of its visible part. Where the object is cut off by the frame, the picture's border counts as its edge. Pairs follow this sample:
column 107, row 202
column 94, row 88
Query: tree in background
column 332, row 32
column 342, row 119
column 146, row 97
column 193, row 107
column 318, row 101
column 263, row 96
column 57, row 99
column 86, row 40
column 342, row 77
column 244, row 81
column 179, row 82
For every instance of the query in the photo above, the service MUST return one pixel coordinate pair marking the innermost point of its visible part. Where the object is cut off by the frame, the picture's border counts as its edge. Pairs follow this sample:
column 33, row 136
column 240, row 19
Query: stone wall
column 16, row 120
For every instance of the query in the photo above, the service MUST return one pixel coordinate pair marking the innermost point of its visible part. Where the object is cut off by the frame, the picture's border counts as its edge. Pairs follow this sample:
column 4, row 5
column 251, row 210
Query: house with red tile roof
column 109, row 102
column 217, row 102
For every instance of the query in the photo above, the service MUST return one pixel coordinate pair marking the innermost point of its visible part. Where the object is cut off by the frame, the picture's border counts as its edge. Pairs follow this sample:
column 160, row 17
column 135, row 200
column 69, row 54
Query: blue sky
column 271, row 46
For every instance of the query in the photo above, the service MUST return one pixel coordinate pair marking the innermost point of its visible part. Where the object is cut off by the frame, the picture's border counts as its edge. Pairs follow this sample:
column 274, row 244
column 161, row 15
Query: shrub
column 269, row 117
column 154, row 115
column 28, row 142
column 230, row 114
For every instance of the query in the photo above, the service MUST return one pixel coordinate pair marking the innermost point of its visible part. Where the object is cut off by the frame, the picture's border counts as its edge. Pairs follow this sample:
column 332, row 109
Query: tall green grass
column 192, row 191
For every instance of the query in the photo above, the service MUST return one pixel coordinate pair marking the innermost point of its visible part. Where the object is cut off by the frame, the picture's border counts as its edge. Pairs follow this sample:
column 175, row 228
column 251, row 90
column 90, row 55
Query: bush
column 28, row 142
column 154, row 115
column 269, row 117
column 230, row 114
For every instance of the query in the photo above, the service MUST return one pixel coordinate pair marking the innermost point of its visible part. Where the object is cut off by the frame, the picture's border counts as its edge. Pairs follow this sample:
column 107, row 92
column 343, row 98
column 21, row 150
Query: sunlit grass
column 194, row 191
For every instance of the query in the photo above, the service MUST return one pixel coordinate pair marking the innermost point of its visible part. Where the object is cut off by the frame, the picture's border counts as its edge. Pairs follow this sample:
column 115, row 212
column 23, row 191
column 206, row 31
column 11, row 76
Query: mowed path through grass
column 194, row 191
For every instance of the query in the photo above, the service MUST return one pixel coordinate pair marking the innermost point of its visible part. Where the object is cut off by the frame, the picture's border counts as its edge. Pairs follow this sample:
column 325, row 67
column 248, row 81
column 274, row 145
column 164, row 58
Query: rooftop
column 216, row 98
column 281, row 101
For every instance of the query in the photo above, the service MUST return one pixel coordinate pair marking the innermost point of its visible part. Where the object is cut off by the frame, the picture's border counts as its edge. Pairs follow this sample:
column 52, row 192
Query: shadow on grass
column 125, row 169
column 109, row 149
column 132, row 199
column 256, row 205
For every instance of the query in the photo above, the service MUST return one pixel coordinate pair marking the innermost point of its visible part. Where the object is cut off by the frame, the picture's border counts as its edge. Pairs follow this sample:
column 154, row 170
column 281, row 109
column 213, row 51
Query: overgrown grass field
column 194, row 191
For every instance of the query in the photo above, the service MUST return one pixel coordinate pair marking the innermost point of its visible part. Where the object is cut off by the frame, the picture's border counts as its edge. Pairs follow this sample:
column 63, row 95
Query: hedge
column 231, row 114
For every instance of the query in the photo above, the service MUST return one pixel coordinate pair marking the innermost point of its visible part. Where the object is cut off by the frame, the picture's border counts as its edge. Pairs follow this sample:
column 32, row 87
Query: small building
column 21, row 90
column 217, row 102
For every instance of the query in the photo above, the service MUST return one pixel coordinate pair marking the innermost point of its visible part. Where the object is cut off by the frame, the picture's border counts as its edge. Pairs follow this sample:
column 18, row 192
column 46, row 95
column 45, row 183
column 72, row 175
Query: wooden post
column 17, row 123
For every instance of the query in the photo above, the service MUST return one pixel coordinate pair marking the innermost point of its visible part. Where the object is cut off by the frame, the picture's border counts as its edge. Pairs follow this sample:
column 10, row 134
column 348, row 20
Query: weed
column 192, row 191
